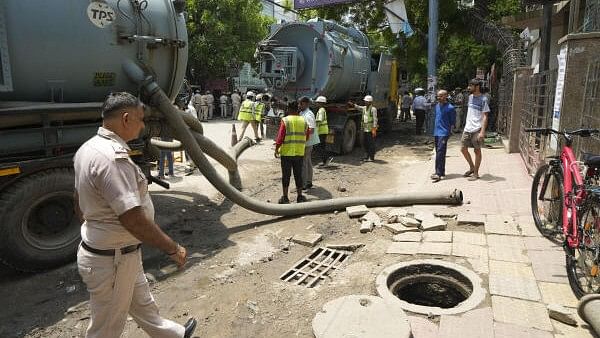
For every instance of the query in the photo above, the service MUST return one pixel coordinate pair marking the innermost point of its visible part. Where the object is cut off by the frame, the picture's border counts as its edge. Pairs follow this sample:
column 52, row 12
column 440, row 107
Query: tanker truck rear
column 59, row 59
column 321, row 57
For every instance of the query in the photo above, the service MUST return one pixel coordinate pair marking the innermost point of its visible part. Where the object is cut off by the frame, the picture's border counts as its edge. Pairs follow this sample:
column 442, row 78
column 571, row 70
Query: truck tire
column 39, row 229
column 348, row 136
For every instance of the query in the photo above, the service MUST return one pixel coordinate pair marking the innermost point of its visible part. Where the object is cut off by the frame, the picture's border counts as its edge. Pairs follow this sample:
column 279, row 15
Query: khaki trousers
column 307, row 170
column 117, row 287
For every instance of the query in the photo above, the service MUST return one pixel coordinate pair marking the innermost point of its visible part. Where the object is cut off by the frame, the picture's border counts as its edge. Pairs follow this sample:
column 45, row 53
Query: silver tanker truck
column 59, row 59
column 321, row 57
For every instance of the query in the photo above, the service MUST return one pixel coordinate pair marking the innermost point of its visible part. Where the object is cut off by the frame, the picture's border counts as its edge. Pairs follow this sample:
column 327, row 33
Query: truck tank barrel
column 76, row 54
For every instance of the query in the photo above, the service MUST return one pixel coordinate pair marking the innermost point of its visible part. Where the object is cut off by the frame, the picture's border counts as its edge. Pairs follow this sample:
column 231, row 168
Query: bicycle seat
column 591, row 160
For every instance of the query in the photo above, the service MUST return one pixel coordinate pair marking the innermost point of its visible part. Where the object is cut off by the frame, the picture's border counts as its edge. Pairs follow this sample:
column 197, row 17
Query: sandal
column 468, row 173
column 473, row 178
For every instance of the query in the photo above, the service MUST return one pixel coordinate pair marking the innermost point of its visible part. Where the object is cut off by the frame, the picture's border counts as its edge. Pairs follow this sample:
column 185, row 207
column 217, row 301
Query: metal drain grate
column 314, row 267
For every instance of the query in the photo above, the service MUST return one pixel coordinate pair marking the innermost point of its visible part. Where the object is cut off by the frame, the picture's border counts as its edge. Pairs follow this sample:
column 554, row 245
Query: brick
column 507, row 253
column 403, row 248
column 521, row 312
column 504, row 330
column 407, row 237
column 471, row 219
column 307, row 239
column 474, row 238
column 422, row 328
column 494, row 240
column 397, row 228
column 468, row 250
column 438, row 236
column 357, row 210
column 476, row 323
column 554, row 293
column 539, row 244
column 433, row 224
column 435, row 248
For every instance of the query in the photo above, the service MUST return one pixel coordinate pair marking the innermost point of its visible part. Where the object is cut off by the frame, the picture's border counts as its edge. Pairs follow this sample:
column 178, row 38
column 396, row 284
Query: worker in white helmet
column 248, row 115
column 369, row 126
column 322, row 129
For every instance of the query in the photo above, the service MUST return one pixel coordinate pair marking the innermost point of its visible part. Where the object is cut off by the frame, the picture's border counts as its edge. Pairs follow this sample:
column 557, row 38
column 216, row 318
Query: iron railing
column 590, row 117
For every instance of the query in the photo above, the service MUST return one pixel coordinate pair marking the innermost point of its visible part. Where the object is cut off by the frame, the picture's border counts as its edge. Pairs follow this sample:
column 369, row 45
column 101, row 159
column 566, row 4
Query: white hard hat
column 250, row 93
column 368, row 98
column 321, row 99
column 259, row 96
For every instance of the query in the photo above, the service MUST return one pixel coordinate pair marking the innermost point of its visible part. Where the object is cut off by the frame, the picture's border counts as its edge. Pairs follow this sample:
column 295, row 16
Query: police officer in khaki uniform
column 117, row 213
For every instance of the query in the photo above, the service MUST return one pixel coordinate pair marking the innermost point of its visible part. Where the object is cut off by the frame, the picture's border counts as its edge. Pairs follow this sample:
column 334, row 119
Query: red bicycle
column 565, row 202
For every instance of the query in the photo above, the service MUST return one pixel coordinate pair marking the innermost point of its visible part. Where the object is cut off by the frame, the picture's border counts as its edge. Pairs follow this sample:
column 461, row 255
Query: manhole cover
column 431, row 287
column 314, row 267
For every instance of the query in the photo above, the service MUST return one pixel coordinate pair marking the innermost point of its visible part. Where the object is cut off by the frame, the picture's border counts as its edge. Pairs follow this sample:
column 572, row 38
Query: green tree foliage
column 222, row 34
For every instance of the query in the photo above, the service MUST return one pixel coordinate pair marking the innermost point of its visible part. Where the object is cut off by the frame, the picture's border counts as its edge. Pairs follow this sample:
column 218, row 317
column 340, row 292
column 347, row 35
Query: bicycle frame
column 574, row 195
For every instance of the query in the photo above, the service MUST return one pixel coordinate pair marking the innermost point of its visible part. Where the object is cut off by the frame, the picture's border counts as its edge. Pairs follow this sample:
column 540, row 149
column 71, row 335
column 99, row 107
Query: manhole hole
column 431, row 287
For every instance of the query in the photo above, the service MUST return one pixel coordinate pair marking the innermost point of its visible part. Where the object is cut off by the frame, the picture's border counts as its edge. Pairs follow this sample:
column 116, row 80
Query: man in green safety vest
column 369, row 126
column 322, row 129
column 247, row 115
column 289, row 145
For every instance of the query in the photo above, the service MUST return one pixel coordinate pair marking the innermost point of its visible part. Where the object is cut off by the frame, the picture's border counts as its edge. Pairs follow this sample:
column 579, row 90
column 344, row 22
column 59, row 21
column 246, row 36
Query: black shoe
column 301, row 199
column 307, row 186
column 190, row 326
column 284, row 200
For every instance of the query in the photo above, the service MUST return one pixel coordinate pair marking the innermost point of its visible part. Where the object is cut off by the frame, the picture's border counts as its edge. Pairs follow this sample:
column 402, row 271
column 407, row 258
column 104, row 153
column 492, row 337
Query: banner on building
column 303, row 4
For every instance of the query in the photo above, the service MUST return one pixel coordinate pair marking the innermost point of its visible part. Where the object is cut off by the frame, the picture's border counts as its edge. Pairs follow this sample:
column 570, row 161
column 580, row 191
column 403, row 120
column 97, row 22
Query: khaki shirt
column 108, row 184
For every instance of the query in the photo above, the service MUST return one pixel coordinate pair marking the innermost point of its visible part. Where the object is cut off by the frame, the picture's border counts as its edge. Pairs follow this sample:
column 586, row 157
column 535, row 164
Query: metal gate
column 591, row 109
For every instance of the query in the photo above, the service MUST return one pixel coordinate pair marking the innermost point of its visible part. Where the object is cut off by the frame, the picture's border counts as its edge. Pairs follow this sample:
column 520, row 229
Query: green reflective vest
column 246, row 111
column 367, row 118
column 259, row 110
column 295, row 136
column 322, row 126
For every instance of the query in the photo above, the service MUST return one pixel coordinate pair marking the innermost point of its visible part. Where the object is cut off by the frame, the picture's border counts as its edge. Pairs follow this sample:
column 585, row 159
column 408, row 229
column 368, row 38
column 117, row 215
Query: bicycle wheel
column 582, row 262
column 547, row 197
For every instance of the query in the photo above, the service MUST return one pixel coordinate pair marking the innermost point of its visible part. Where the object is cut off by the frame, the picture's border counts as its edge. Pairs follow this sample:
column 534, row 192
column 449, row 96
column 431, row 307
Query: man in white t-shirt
column 474, row 132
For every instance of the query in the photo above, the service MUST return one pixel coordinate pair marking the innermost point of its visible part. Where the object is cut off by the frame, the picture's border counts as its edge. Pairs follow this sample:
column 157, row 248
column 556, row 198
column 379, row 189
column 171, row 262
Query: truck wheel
column 39, row 229
column 349, row 137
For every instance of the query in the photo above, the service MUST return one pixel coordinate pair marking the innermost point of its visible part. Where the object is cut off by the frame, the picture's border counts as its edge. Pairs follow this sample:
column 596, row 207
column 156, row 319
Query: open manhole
column 431, row 287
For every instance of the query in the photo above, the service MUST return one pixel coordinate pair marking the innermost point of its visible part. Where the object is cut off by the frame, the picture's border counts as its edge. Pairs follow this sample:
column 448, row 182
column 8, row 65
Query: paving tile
column 366, row 226
column 513, row 286
column 469, row 238
column 469, row 250
column 582, row 330
column 357, row 210
column 521, row 312
column 423, row 215
column 307, row 239
column 539, row 244
column 438, row 236
column 476, row 323
column 471, row 219
column 397, row 228
column 511, row 269
column 527, row 226
column 422, row 328
column 373, row 217
column 445, row 213
column 555, row 293
column 479, row 265
column 435, row 248
column 409, row 222
column 554, row 273
column 501, row 228
column 494, row 240
column 433, row 224
column 547, row 256
column 505, row 330
column 407, row 237
column 403, row 248
column 507, row 253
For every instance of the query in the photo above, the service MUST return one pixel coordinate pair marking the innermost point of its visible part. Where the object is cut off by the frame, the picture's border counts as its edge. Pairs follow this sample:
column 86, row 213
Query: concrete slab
column 494, row 240
column 468, row 250
column 539, row 244
column 445, row 213
column 373, row 217
column 435, row 248
column 357, row 210
column 508, row 254
column 479, row 265
column 555, row 293
column 433, row 224
column 562, row 314
column 409, row 222
column 394, row 214
column 547, row 256
column 513, row 286
column 510, row 269
column 469, row 238
column 505, row 330
column 398, row 228
column 554, row 273
column 360, row 316
column 471, row 219
column 407, row 237
column 366, row 226
column 423, row 328
column 422, row 215
column 501, row 228
column 307, row 239
column 403, row 248
column 582, row 330
column 473, row 324
column 438, row 236
column 521, row 312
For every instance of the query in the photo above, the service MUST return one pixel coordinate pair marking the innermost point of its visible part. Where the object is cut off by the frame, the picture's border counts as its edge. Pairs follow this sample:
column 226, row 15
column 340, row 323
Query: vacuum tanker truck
column 321, row 57
column 59, row 59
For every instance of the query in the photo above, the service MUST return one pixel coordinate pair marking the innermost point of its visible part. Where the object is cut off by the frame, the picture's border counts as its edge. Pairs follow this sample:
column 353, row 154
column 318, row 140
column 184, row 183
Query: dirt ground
column 231, row 283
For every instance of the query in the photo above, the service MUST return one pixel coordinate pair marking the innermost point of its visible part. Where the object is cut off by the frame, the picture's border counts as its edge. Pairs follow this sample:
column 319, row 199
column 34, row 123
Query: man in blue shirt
column 445, row 117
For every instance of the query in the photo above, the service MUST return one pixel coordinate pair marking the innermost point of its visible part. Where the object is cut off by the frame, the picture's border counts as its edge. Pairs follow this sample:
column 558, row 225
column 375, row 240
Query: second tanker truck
column 321, row 57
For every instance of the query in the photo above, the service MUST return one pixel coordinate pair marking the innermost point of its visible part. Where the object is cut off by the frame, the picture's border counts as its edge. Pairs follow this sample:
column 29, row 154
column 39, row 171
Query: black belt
column 124, row 250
